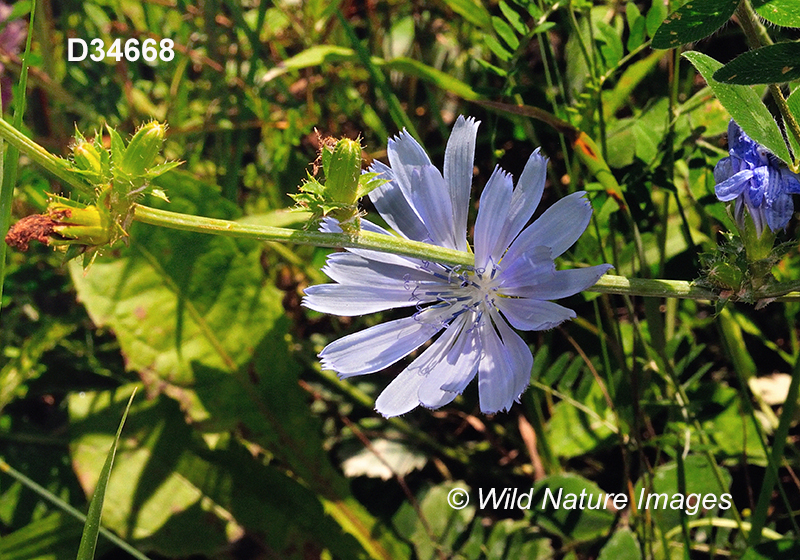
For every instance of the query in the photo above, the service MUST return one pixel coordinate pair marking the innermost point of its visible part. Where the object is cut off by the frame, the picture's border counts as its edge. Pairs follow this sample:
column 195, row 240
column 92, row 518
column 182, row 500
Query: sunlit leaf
column 744, row 105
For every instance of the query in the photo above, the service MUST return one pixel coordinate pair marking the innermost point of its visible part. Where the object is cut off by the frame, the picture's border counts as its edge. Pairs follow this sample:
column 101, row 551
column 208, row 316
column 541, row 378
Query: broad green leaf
column 621, row 546
column 771, row 64
column 91, row 528
column 568, row 520
column 576, row 431
column 779, row 12
column 784, row 549
column 744, row 105
column 150, row 497
column 166, row 483
column 692, row 22
column 195, row 316
column 699, row 479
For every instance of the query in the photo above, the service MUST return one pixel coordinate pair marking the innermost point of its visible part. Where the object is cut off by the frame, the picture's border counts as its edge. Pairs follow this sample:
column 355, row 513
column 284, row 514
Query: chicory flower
column 471, row 309
column 756, row 180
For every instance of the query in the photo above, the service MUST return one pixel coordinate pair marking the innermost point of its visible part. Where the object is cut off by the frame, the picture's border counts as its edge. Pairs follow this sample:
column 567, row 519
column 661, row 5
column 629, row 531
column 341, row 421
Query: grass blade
column 92, row 526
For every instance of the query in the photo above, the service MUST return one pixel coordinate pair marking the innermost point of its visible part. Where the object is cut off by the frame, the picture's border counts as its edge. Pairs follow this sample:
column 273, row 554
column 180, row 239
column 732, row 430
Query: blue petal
column 349, row 300
column 791, row 182
column 459, row 159
column 492, row 218
column 526, row 198
column 402, row 394
column 432, row 202
column 760, row 184
column 380, row 346
column 349, row 268
column 733, row 186
column 392, row 205
column 532, row 314
column 533, row 267
column 558, row 228
column 451, row 374
column 724, row 170
column 563, row 283
column 504, row 371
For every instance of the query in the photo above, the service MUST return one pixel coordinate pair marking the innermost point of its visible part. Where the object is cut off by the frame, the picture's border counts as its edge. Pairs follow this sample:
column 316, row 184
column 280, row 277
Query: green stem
column 608, row 284
column 54, row 165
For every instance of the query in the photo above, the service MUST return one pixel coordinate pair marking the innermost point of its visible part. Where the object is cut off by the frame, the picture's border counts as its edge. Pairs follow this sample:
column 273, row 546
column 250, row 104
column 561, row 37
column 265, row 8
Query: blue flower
column 755, row 178
column 470, row 308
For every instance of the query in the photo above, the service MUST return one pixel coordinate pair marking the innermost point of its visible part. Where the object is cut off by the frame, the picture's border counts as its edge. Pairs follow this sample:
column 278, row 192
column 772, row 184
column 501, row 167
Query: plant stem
column 39, row 155
column 608, row 284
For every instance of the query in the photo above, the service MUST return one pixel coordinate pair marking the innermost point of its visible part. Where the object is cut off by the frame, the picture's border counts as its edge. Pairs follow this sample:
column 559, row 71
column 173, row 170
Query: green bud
column 87, row 158
column 88, row 226
column 342, row 171
column 143, row 149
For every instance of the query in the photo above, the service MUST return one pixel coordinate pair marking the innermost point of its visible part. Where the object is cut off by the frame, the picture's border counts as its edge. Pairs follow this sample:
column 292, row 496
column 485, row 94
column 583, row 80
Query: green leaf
column 621, row 546
column 513, row 17
column 779, row 12
column 784, row 549
column 655, row 15
column 443, row 80
column 93, row 517
column 768, row 65
column 445, row 523
column 693, row 21
column 636, row 24
column 610, row 44
column 699, row 479
column 744, row 105
column 505, row 32
column 151, row 497
column 499, row 50
column 196, row 318
column 579, row 433
column 53, row 537
column 473, row 11
column 312, row 56
column 568, row 520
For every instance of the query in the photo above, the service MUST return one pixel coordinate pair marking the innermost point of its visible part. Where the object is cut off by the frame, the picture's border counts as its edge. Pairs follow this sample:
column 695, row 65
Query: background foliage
column 239, row 446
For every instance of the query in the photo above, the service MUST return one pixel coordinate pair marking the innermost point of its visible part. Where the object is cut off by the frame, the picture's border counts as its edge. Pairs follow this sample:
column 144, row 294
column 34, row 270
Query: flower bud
column 143, row 148
column 87, row 158
column 88, row 226
column 342, row 167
